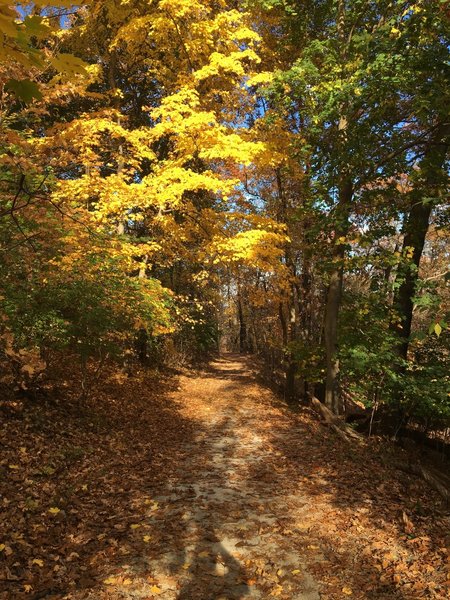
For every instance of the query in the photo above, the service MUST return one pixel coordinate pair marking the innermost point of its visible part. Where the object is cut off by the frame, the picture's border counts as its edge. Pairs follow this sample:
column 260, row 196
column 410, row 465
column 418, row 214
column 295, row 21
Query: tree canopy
column 268, row 176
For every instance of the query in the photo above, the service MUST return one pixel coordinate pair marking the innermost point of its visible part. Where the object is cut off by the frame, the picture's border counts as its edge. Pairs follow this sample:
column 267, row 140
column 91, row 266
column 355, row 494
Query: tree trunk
column 121, row 226
column 333, row 300
column 291, row 363
column 334, row 293
column 305, row 318
column 283, row 323
column 242, row 326
column 416, row 228
column 141, row 345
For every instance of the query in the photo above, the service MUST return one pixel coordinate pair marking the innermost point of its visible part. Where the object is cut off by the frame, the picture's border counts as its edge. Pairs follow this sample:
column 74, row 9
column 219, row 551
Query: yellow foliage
column 109, row 174
column 255, row 247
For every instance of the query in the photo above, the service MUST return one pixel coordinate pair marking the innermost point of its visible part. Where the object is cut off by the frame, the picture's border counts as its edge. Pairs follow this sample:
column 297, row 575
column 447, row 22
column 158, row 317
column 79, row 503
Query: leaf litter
column 204, row 485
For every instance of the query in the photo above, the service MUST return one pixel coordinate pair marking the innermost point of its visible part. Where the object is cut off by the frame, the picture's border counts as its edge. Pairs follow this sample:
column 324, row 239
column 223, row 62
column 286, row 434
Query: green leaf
column 37, row 26
column 7, row 22
column 25, row 89
column 69, row 64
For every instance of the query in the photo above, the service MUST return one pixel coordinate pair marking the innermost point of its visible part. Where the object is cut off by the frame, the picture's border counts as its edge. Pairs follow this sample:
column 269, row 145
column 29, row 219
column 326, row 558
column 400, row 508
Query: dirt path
column 227, row 509
column 207, row 487
column 264, row 503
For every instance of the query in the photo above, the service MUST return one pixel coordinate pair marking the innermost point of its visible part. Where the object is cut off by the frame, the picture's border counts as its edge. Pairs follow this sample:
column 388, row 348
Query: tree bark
column 121, row 226
column 284, row 329
column 334, row 294
column 416, row 228
column 335, row 423
column 242, row 325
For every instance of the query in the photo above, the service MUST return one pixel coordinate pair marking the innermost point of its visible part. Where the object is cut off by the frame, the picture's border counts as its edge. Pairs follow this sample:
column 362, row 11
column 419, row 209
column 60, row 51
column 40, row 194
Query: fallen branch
column 437, row 482
column 334, row 422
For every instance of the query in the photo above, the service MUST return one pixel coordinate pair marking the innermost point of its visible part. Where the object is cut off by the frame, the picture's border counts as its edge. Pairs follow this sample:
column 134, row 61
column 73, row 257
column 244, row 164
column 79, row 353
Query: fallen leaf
column 54, row 510
column 155, row 589
column 37, row 561
column 135, row 526
column 409, row 525
column 6, row 549
column 146, row 538
column 277, row 590
column 13, row 466
column 203, row 554
column 118, row 580
column 347, row 591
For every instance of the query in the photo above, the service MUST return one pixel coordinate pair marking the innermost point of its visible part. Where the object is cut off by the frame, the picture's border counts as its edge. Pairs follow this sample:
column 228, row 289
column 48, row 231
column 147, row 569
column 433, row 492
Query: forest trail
column 206, row 486
column 231, row 509
column 266, row 503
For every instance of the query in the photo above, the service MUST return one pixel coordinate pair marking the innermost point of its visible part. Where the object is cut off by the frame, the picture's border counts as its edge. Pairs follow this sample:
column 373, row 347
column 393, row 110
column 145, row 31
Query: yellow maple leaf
column 155, row 589
column 54, row 510
column 135, row 526
column 277, row 590
column 37, row 561
column 347, row 591
column 146, row 538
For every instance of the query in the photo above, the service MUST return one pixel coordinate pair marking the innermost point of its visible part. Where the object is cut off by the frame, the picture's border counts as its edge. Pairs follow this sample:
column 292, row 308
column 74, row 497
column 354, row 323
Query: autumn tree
column 141, row 143
column 281, row 160
column 350, row 85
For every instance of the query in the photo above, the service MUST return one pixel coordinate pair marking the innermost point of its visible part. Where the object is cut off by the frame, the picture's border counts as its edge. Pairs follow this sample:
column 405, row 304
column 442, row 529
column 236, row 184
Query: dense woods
column 269, row 176
column 182, row 178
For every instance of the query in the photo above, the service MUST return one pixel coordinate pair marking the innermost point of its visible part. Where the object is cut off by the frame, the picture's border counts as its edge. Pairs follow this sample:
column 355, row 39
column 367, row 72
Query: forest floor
column 205, row 486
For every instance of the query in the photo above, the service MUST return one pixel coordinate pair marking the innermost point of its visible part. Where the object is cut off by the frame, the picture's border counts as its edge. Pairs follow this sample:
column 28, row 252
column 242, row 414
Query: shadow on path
column 216, row 491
